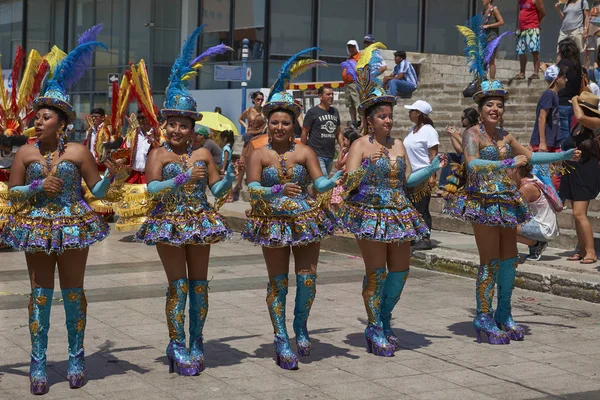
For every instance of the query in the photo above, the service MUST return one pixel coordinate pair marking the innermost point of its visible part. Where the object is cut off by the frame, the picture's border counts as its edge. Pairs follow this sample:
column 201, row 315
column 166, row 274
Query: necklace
column 184, row 158
column 484, row 133
column 48, row 156
column 283, row 157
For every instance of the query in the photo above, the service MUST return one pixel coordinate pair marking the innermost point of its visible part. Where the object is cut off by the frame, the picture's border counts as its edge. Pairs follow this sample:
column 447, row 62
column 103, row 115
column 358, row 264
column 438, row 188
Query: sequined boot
column 276, row 293
column 306, row 289
column 177, row 353
column 392, row 289
column 503, row 316
column 484, row 321
column 198, row 311
column 40, row 303
column 372, row 293
column 76, row 316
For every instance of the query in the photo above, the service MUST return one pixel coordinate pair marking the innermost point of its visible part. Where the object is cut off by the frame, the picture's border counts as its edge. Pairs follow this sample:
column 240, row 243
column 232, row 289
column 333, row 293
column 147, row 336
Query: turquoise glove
column 479, row 165
column 220, row 188
column 27, row 191
column 170, row 184
column 549, row 158
column 424, row 173
column 323, row 184
column 257, row 191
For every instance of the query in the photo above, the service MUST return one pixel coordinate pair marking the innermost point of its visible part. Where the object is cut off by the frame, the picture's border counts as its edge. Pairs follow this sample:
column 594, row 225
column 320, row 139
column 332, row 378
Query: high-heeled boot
column 372, row 293
column 276, row 293
column 76, row 316
column 177, row 353
column 306, row 289
column 392, row 289
column 484, row 321
column 40, row 303
column 198, row 312
column 506, row 283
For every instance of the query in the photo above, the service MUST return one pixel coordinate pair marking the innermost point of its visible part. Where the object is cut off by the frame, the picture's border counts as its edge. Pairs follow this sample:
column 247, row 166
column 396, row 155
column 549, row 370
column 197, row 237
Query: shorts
column 531, row 230
column 351, row 95
column 528, row 41
column 575, row 34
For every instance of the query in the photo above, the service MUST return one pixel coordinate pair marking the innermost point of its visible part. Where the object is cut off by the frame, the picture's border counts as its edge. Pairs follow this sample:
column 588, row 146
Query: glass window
column 140, row 30
column 167, row 14
column 291, row 28
column 112, row 14
column 59, row 24
column 441, row 35
column 83, row 18
column 399, row 30
column 11, row 27
column 160, row 78
column 249, row 24
column 216, row 14
column 340, row 21
column 206, row 77
column 38, row 25
column 166, row 32
column 510, row 14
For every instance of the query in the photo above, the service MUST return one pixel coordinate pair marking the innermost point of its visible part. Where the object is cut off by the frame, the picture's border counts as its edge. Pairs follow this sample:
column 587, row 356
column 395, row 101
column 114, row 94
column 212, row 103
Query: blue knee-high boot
column 177, row 353
column 372, row 295
column 392, row 289
column 198, row 312
column 276, row 293
column 484, row 321
column 40, row 303
column 76, row 316
column 306, row 289
column 506, row 283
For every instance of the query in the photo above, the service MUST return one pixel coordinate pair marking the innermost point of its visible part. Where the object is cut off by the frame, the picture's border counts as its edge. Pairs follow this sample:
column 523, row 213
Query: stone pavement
column 439, row 359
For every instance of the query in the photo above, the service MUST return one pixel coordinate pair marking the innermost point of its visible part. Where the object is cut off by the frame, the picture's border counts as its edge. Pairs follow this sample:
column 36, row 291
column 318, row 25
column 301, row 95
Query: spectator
column 228, row 140
column 594, row 74
column 492, row 21
column 575, row 15
column 218, row 110
column 582, row 183
column 421, row 145
column 299, row 121
column 531, row 14
column 543, row 227
column 201, row 140
column 403, row 80
column 352, row 100
column 569, row 55
column 546, row 131
column 349, row 136
column 591, row 44
column 378, row 66
column 469, row 118
column 322, row 128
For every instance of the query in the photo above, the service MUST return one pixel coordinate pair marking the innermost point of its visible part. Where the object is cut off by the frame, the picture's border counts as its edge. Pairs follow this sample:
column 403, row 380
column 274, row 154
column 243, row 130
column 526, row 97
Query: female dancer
column 183, row 224
column 284, row 217
column 492, row 21
column 256, row 126
column 376, row 209
column 492, row 203
column 53, row 224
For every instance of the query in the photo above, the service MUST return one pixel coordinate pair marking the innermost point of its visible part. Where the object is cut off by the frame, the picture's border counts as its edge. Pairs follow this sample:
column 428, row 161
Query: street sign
column 229, row 73
column 113, row 77
column 248, row 73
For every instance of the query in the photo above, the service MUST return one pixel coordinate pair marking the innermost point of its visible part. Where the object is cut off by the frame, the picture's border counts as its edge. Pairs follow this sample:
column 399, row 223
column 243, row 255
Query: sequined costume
column 378, row 209
column 54, row 224
column 286, row 221
column 183, row 216
column 489, row 197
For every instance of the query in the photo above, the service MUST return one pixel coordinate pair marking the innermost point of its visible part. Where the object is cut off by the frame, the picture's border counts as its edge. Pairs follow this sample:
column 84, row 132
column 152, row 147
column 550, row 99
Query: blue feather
column 491, row 47
column 284, row 72
column 181, row 67
column 90, row 35
column 73, row 66
column 475, row 52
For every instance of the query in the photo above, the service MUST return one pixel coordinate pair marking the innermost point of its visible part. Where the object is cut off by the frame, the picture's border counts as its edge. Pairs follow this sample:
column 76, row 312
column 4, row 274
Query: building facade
column 154, row 30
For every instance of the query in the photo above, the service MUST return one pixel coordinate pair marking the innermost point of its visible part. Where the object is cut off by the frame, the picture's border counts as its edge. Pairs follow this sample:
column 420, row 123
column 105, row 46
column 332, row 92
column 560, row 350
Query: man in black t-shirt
column 322, row 128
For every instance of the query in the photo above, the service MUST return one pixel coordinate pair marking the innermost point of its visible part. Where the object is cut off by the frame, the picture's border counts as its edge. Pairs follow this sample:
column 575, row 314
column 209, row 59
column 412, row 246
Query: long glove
column 548, row 158
column 169, row 184
column 424, row 173
column 221, row 187
column 257, row 191
column 323, row 184
column 100, row 188
column 26, row 191
column 479, row 165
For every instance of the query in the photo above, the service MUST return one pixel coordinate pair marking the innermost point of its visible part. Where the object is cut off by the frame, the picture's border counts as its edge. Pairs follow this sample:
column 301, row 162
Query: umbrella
column 217, row 122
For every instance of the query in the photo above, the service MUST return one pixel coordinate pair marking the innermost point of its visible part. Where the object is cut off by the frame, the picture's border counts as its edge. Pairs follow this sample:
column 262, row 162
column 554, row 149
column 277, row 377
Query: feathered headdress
column 121, row 94
column 142, row 92
column 291, row 69
column 479, row 53
column 178, row 101
column 370, row 87
column 69, row 71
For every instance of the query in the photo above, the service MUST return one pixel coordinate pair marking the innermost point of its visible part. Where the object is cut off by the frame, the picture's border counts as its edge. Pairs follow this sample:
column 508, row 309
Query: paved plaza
column 440, row 359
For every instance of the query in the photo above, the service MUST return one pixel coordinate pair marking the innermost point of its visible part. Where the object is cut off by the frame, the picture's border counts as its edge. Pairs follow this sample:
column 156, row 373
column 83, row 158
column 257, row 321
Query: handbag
column 471, row 89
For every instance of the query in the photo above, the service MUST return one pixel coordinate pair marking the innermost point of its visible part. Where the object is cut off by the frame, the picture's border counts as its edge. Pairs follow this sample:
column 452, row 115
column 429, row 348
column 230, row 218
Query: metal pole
column 245, row 43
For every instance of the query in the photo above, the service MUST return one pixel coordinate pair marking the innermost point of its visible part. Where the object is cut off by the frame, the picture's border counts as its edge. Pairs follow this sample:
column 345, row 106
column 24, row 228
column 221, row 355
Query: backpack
column 548, row 192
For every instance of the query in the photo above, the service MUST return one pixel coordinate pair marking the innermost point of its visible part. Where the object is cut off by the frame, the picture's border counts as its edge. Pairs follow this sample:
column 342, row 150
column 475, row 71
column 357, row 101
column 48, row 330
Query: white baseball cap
column 422, row 106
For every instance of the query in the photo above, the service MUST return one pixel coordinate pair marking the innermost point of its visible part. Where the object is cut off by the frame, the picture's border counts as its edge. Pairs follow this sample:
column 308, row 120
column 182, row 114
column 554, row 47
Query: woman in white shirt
column 421, row 145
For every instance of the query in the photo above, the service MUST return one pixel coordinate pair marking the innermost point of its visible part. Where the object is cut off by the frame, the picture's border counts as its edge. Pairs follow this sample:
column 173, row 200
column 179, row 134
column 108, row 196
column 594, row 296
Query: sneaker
column 535, row 251
column 353, row 125
column 422, row 245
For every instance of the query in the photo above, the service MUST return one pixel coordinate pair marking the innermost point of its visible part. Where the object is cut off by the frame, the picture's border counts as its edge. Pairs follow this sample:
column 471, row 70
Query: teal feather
column 73, row 66
column 284, row 72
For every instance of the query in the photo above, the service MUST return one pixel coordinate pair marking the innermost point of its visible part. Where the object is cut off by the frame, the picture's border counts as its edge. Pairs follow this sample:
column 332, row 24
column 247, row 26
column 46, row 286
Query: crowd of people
column 155, row 180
